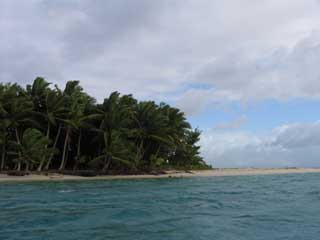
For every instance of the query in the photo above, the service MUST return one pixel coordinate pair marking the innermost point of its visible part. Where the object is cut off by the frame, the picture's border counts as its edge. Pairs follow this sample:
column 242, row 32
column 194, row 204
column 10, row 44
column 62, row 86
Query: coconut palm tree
column 187, row 152
column 76, row 103
column 4, row 135
column 17, row 109
column 176, row 121
column 53, row 115
column 80, row 121
column 4, row 124
column 31, row 149
column 117, row 152
column 115, row 116
column 151, row 131
column 38, row 92
column 74, row 107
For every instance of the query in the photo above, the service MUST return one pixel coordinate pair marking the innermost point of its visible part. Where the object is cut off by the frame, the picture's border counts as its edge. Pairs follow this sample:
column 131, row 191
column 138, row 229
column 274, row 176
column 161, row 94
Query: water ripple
column 243, row 207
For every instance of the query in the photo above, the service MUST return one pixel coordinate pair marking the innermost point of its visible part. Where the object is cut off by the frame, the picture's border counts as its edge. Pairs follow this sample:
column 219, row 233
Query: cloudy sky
column 247, row 73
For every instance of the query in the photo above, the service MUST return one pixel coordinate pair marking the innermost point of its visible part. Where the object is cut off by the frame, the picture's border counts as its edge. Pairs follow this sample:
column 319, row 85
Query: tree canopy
column 45, row 128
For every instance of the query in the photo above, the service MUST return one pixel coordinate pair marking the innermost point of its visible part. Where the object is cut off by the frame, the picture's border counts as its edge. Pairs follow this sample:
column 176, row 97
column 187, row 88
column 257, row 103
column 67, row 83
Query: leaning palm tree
column 53, row 115
column 4, row 124
column 76, row 102
column 38, row 92
column 31, row 149
column 79, row 122
column 48, row 107
column 117, row 152
column 151, row 131
column 72, row 95
column 176, row 121
column 115, row 116
column 17, row 110
column 187, row 153
column 179, row 127
column 4, row 135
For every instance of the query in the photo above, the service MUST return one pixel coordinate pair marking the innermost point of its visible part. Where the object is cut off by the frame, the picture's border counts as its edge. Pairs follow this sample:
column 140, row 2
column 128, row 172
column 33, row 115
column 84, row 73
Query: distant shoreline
column 168, row 174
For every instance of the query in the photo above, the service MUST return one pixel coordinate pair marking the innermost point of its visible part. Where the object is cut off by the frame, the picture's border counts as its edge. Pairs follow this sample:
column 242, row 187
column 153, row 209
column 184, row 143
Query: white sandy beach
column 169, row 174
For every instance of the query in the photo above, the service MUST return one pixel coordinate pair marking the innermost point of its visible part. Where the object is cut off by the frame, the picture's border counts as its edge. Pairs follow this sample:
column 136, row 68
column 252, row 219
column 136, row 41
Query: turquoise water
column 243, row 207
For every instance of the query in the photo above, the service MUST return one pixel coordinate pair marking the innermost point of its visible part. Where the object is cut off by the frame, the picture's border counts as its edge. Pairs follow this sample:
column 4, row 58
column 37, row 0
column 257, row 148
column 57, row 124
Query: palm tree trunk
column 18, row 141
column 107, row 162
column 78, row 150
column 3, row 156
column 108, row 158
column 140, row 151
column 27, row 166
column 54, row 146
column 63, row 162
column 44, row 158
column 17, row 135
column 18, row 165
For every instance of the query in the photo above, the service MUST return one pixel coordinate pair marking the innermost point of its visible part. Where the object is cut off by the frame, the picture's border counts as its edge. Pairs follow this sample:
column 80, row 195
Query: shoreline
column 220, row 172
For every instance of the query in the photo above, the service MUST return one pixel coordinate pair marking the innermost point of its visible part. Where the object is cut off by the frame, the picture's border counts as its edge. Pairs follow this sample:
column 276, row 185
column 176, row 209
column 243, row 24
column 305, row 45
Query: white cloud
column 292, row 145
column 281, row 75
column 158, row 48
column 233, row 124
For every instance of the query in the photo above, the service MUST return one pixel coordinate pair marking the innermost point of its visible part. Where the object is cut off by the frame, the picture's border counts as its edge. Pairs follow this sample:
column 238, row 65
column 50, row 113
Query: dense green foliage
column 46, row 128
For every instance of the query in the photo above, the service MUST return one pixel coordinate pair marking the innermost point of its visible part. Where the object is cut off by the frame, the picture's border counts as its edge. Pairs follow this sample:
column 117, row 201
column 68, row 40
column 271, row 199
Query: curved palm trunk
column 54, row 146
column 107, row 162
column 44, row 158
column 108, row 158
column 140, row 151
column 77, row 160
column 66, row 140
column 27, row 166
column 3, row 157
column 18, row 141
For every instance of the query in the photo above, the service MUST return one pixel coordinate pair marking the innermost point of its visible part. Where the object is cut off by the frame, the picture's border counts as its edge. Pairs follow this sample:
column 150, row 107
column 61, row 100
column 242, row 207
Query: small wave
column 244, row 216
column 314, row 193
column 65, row 191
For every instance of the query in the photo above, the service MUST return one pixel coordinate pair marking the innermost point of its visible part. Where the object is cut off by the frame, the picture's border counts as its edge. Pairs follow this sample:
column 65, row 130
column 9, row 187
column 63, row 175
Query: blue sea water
column 238, row 207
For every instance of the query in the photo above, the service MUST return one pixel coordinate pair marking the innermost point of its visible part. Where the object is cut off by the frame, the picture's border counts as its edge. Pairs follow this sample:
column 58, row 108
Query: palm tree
column 4, row 124
column 32, row 147
column 4, row 134
column 118, row 151
column 17, row 110
column 115, row 116
column 151, row 130
column 79, row 122
column 176, row 121
column 71, row 95
column 187, row 152
column 53, row 114
column 76, row 102
column 38, row 92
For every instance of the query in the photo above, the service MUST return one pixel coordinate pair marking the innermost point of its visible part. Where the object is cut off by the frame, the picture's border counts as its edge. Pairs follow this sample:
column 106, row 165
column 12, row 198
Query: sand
column 169, row 174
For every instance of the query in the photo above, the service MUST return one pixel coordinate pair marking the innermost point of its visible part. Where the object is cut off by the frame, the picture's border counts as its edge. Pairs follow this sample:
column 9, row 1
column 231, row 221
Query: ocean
column 235, row 207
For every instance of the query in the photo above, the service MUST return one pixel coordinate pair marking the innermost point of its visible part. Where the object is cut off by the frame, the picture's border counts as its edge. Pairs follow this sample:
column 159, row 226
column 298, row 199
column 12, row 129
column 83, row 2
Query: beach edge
column 169, row 174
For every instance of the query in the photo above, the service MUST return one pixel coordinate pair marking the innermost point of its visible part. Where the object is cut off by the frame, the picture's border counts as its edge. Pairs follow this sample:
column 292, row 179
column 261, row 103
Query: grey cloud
column 193, row 101
column 298, row 136
column 157, row 48
column 283, row 74
column 98, row 26
column 293, row 145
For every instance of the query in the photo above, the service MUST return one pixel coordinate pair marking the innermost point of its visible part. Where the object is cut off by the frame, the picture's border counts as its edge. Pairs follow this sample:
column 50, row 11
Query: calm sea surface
column 242, row 207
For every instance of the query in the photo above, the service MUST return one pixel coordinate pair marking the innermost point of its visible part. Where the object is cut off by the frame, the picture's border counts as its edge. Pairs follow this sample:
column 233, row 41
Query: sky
column 246, row 73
